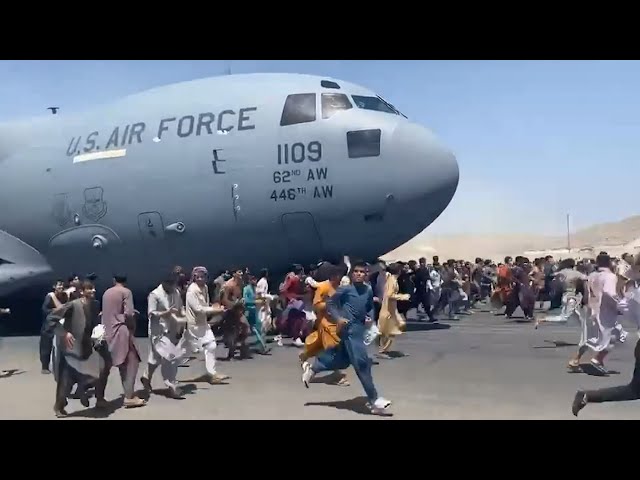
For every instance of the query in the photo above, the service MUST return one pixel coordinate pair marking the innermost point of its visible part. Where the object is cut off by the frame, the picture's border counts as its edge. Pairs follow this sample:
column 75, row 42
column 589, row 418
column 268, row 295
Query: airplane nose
column 429, row 170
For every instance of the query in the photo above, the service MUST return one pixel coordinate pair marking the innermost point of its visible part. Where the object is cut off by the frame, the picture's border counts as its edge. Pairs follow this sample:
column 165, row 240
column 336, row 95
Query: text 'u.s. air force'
column 199, row 124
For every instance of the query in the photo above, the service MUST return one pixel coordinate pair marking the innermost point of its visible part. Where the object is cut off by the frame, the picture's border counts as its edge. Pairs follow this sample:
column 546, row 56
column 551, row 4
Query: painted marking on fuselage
column 288, row 194
column 299, row 152
column 291, row 194
column 199, row 124
column 87, row 157
column 324, row 191
column 215, row 161
column 95, row 207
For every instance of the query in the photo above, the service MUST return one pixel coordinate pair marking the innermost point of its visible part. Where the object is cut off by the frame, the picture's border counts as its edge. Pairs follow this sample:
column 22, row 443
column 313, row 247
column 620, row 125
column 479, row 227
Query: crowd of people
column 332, row 312
column 84, row 338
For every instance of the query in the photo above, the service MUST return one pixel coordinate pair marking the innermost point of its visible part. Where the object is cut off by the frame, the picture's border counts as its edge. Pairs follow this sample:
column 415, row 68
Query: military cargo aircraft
column 261, row 170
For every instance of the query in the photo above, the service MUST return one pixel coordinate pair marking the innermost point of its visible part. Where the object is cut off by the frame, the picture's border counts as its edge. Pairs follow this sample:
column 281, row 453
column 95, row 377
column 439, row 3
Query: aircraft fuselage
column 216, row 172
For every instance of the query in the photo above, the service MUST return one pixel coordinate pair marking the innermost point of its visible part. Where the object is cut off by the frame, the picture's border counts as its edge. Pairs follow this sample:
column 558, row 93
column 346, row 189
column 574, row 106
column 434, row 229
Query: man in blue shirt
column 350, row 308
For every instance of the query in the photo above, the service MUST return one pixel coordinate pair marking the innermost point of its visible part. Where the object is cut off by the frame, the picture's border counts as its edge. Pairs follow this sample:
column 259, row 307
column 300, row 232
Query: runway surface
column 481, row 367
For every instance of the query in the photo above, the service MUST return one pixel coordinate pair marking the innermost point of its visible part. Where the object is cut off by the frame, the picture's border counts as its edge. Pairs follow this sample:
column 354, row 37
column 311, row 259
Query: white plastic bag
column 167, row 350
column 371, row 334
column 97, row 334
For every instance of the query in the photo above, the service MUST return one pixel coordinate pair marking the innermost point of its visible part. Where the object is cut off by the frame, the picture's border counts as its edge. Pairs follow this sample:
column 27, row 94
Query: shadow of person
column 555, row 344
column 330, row 379
column 11, row 372
column 110, row 407
column 204, row 379
column 357, row 405
column 92, row 412
column 426, row 327
column 592, row 371
column 187, row 389
column 397, row 354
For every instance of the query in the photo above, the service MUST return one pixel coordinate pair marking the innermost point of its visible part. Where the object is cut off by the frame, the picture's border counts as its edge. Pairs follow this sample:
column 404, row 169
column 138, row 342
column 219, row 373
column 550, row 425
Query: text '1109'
column 299, row 152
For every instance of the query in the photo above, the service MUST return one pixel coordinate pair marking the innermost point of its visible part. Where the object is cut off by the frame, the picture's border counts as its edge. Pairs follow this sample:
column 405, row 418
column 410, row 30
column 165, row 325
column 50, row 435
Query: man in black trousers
column 422, row 278
column 613, row 394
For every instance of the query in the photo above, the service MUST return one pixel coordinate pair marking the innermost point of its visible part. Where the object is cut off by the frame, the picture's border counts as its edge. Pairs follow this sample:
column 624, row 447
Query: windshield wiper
column 391, row 107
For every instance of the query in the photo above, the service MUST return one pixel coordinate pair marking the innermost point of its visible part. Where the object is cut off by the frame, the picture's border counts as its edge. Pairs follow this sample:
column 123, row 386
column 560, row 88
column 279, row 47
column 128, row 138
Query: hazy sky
column 533, row 138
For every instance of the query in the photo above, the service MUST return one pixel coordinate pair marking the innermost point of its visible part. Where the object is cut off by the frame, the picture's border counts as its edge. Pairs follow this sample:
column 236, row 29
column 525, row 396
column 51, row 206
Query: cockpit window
column 299, row 108
column 392, row 107
column 364, row 143
column 377, row 104
column 334, row 102
column 329, row 84
column 373, row 103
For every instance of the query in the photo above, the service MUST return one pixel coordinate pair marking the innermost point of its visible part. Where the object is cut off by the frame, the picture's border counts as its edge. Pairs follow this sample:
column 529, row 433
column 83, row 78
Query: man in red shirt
column 292, row 285
column 292, row 318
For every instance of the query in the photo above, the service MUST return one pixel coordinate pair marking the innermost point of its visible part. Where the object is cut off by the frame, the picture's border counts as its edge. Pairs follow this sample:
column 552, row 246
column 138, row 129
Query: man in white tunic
column 631, row 307
column 198, row 335
column 166, row 320
column 603, row 309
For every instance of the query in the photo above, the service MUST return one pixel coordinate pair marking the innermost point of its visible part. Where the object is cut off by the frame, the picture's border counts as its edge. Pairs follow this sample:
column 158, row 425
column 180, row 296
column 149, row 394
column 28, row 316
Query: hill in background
column 497, row 246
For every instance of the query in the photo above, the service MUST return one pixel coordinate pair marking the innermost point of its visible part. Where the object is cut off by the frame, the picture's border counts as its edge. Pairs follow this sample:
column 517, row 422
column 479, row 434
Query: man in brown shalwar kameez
column 118, row 318
column 235, row 326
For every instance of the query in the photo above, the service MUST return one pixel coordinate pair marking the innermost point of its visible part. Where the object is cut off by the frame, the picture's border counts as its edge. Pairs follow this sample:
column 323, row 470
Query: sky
column 535, row 140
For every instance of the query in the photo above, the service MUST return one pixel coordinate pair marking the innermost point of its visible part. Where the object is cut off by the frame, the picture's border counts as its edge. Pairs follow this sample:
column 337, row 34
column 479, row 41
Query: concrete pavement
column 481, row 367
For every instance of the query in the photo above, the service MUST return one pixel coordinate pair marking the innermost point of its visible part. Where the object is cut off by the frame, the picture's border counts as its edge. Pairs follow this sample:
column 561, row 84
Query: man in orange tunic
column 504, row 287
column 325, row 334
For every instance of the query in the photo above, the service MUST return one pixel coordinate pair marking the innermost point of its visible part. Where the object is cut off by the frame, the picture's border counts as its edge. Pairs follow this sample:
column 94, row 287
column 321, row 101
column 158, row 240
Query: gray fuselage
column 258, row 170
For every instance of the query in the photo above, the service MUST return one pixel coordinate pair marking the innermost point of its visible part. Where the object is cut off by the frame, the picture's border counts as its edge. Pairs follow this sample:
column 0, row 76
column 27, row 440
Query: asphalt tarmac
column 480, row 367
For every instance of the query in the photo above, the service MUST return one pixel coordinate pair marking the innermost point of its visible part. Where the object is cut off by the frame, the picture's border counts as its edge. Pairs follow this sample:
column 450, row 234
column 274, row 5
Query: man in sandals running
column 601, row 317
column 325, row 335
column 119, row 318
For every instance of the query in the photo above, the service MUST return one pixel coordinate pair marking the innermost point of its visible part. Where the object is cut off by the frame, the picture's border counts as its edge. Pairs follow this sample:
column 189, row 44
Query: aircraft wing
column 21, row 265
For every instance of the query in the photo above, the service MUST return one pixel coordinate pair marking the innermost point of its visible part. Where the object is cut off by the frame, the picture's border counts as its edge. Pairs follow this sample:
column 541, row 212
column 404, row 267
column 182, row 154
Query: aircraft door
column 303, row 239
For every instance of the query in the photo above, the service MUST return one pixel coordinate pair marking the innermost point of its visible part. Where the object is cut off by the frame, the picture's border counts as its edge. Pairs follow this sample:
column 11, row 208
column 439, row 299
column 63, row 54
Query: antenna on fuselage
column 54, row 110
column 227, row 70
